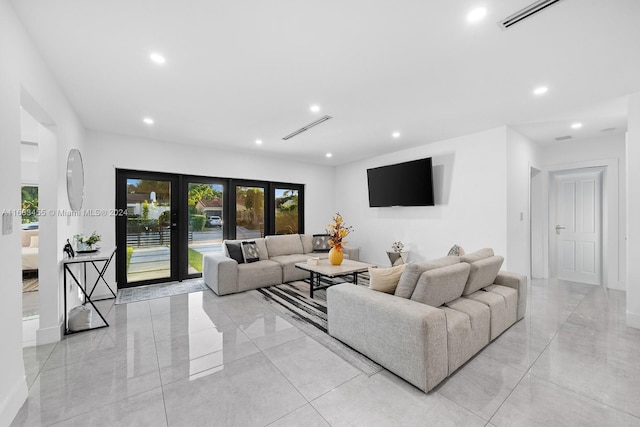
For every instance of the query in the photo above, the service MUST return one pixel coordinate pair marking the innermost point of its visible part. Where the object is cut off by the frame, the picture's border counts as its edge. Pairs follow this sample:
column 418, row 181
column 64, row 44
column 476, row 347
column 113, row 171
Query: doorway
column 576, row 225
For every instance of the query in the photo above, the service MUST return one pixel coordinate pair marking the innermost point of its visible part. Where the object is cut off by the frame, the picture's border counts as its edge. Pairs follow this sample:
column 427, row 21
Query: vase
column 336, row 256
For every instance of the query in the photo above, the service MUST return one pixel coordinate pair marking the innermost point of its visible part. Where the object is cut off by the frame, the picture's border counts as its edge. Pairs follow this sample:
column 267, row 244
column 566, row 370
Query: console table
column 100, row 262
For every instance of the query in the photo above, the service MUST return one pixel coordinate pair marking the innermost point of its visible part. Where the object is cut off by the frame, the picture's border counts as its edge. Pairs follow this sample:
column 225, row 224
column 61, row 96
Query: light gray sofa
column 442, row 313
column 278, row 256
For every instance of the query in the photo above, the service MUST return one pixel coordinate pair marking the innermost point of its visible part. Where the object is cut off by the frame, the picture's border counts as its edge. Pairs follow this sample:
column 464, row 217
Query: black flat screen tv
column 402, row 184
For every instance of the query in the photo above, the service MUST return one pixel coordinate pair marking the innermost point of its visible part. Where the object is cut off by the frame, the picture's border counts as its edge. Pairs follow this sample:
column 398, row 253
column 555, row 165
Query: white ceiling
column 241, row 70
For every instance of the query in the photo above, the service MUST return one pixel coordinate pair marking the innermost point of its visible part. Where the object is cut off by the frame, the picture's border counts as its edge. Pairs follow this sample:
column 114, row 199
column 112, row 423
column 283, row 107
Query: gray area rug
column 143, row 293
column 310, row 315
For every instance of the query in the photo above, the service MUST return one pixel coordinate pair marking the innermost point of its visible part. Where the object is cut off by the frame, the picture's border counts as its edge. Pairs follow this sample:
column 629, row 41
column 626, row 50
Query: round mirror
column 75, row 179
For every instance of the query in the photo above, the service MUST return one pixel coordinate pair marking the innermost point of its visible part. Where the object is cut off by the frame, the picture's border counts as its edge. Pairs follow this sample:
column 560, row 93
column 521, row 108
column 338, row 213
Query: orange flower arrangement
column 337, row 231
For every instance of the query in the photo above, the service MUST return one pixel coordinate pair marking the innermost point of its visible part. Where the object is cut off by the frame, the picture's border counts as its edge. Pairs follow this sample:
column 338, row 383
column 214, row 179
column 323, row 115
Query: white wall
column 27, row 81
column 633, row 211
column 105, row 152
column 470, row 191
column 607, row 150
column 521, row 155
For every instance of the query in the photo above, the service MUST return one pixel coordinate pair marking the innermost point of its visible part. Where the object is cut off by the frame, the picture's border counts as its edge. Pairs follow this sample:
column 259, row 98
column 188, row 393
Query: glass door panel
column 205, row 212
column 287, row 218
column 148, row 230
column 249, row 212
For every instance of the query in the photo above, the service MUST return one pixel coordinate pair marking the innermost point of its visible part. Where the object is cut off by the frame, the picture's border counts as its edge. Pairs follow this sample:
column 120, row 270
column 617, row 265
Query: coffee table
column 325, row 269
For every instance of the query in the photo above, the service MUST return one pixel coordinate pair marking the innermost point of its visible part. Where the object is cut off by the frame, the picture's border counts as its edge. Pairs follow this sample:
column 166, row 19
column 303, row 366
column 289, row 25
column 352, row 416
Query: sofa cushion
column 234, row 251
column 289, row 270
column 34, row 242
column 467, row 330
column 385, row 279
column 285, row 244
column 26, row 237
column 482, row 273
column 258, row 275
column 503, row 304
column 413, row 271
column 477, row 255
column 307, row 243
column 250, row 252
column 441, row 285
column 321, row 243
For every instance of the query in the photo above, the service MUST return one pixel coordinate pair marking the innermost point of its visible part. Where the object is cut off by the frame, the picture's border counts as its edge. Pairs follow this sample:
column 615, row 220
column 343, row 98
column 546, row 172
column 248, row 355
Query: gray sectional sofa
column 276, row 265
column 442, row 313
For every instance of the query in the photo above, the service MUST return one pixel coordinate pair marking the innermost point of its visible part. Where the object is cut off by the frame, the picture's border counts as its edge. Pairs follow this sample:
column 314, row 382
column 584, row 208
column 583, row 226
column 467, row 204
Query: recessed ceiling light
column 477, row 14
column 148, row 120
column 314, row 108
column 157, row 58
column 259, row 141
column 541, row 90
column 576, row 126
column 328, row 154
column 396, row 134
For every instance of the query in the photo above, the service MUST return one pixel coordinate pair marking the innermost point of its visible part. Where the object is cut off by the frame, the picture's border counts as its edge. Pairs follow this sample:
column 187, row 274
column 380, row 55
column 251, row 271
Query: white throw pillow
column 34, row 242
column 385, row 279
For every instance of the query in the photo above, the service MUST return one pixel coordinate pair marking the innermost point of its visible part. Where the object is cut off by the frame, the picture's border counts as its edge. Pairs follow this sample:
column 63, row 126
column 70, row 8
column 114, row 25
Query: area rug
column 144, row 293
column 310, row 315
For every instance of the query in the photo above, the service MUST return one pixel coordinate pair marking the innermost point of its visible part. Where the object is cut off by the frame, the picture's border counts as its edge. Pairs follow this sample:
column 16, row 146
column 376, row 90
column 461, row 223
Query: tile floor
column 200, row 359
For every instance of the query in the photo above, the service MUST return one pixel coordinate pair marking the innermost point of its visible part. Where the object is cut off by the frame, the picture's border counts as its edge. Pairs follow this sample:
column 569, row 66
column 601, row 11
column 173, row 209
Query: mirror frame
column 75, row 179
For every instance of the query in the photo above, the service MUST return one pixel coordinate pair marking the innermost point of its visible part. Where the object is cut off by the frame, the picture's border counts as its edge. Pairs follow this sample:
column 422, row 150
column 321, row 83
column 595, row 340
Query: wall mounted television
column 402, row 184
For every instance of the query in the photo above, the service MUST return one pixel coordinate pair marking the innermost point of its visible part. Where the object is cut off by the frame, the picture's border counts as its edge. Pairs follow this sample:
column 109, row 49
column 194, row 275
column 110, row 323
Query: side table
column 398, row 258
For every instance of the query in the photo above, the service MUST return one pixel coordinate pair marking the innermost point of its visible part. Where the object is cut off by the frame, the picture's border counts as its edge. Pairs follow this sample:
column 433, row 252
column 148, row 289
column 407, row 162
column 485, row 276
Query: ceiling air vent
column 608, row 130
column 563, row 138
column 525, row 13
column 307, row 127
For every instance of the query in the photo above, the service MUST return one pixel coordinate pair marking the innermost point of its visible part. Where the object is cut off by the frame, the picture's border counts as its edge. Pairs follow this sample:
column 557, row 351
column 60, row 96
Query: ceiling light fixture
column 314, row 108
column 477, row 15
column 259, row 141
column 576, row 126
column 396, row 134
column 541, row 90
column 148, row 120
column 328, row 155
column 157, row 58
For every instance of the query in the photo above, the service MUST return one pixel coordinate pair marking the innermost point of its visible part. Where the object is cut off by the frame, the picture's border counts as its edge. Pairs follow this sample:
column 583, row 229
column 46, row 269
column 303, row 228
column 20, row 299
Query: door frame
column 553, row 221
column 612, row 227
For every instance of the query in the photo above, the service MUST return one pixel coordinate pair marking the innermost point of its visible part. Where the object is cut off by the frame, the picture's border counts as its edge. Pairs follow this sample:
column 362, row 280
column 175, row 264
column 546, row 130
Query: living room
column 482, row 171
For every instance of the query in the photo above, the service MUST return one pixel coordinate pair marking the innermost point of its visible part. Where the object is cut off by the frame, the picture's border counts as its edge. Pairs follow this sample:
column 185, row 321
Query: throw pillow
column 321, row 243
column 456, row 250
column 34, row 242
column 250, row 252
column 235, row 251
column 385, row 279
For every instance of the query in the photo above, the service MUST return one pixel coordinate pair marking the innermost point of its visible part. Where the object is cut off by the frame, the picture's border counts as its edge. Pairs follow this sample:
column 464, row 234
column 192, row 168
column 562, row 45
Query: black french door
column 174, row 220
column 147, row 237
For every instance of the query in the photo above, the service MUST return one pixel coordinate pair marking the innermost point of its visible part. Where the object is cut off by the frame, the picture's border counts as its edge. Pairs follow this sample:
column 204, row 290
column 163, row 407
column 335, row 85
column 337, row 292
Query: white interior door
column 578, row 227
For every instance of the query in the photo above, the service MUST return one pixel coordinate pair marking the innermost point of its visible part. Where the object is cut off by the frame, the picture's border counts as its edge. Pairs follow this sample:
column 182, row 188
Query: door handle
column 558, row 228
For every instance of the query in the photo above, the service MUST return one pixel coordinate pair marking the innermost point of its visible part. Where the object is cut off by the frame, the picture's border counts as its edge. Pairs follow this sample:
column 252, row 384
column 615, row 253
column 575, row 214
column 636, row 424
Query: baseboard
column 633, row 320
column 49, row 335
column 13, row 402
column 620, row 286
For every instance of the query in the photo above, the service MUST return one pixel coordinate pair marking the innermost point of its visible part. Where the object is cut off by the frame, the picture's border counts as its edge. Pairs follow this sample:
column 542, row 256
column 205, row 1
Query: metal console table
column 103, row 258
